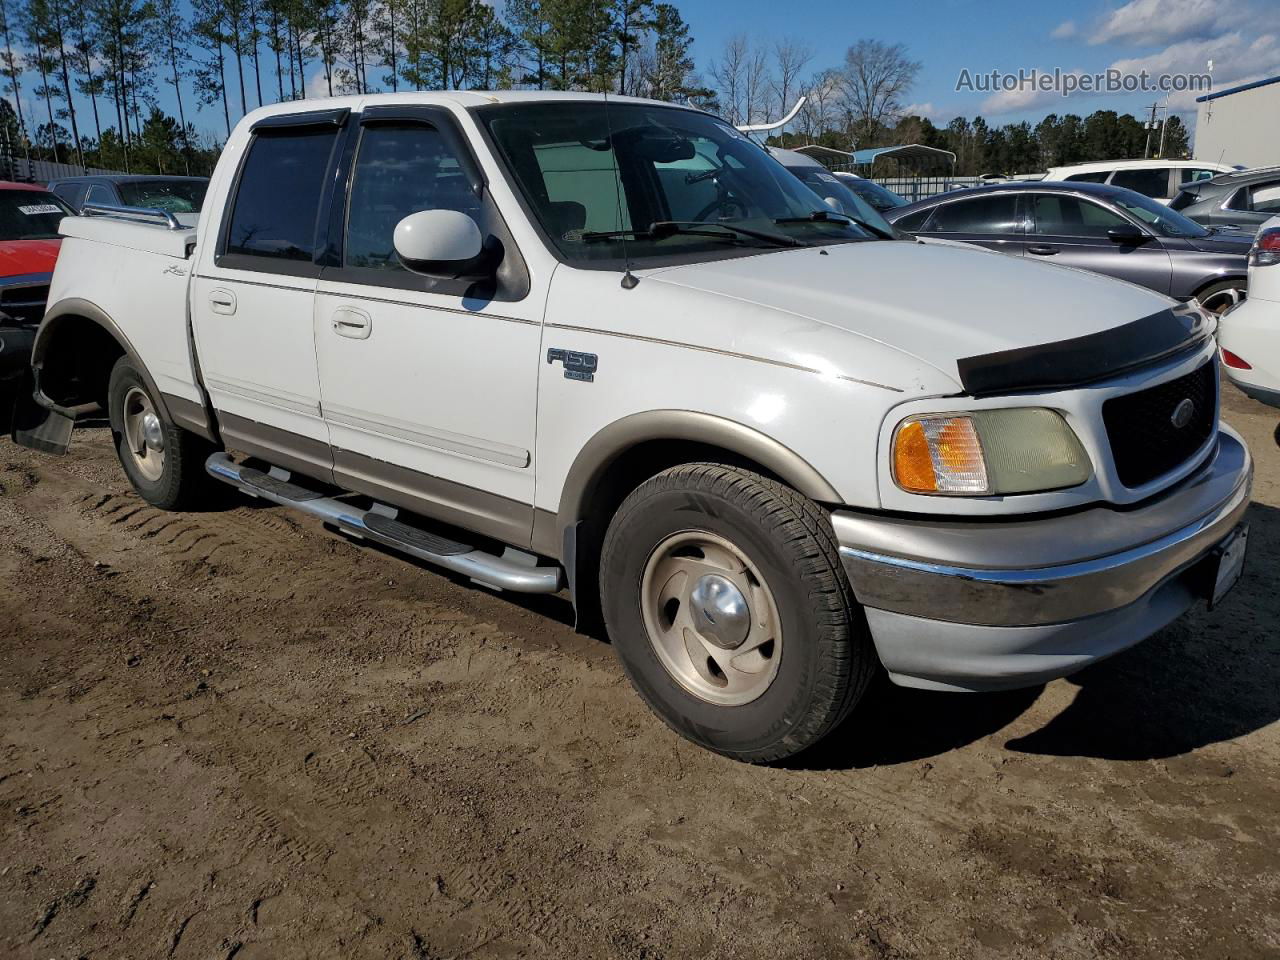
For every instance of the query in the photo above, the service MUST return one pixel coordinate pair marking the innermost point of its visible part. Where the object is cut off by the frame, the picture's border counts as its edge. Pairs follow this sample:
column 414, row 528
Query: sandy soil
column 232, row 734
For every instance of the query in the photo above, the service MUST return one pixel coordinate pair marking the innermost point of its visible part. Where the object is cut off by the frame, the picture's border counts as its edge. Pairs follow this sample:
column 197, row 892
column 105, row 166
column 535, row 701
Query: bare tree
column 820, row 112
column 757, row 106
column 729, row 74
column 790, row 57
column 875, row 78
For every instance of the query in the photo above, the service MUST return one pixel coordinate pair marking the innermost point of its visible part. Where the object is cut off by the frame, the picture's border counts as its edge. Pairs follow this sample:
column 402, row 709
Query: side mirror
column 444, row 244
column 1127, row 234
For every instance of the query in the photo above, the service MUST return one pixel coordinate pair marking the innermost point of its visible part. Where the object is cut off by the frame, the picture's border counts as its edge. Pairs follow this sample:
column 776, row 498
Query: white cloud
column 1237, row 59
column 926, row 110
column 1150, row 22
column 317, row 86
column 1065, row 30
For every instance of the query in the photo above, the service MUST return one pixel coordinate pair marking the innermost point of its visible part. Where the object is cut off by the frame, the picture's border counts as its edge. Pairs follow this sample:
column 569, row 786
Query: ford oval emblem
column 1183, row 412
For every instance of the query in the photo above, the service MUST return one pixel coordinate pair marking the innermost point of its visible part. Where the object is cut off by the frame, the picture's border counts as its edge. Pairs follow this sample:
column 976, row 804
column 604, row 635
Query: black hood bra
column 1095, row 356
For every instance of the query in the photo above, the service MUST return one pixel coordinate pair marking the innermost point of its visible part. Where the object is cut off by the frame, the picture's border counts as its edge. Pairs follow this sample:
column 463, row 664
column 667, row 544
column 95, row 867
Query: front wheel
column 1218, row 298
column 164, row 463
column 726, row 602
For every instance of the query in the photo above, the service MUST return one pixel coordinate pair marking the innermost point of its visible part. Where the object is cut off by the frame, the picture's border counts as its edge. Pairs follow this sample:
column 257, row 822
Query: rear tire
column 164, row 463
column 727, row 604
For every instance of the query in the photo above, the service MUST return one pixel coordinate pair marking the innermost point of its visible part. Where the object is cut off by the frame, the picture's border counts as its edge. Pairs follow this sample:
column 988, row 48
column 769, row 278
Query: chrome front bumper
column 995, row 604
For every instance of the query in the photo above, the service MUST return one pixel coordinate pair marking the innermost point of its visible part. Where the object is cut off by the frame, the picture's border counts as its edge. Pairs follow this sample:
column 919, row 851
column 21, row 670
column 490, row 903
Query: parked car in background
column 172, row 194
column 1095, row 227
column 1249, row 335
column 880, row 198
column 1157, row 179
column 1240, row 200
column 621, row 351
column 834, row 191
column 29, row 218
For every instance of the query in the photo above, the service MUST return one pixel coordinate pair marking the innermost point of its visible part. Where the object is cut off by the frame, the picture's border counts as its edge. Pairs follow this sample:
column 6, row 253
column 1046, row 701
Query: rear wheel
column 164, row 463
column 1218, row 298
column 727, row 605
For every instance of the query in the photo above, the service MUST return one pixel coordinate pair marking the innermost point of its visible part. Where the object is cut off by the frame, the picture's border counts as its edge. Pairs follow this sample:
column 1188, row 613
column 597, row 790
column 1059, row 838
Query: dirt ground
column 233, row 734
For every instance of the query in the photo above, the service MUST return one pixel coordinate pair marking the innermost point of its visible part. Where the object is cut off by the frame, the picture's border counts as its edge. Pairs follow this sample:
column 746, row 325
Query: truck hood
column 955, row 307
column 21, row 257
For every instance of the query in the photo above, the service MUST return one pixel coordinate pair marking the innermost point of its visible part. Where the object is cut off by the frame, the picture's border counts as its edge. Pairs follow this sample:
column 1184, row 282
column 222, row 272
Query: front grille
column 25, row 304
column 1148, row 437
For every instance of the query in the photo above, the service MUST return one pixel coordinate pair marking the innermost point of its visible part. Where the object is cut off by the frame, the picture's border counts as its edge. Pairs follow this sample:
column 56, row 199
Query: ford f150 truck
column 552, row 342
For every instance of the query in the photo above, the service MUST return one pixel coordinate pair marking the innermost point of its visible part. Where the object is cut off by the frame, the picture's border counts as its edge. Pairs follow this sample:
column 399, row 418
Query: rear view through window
column 173, row 196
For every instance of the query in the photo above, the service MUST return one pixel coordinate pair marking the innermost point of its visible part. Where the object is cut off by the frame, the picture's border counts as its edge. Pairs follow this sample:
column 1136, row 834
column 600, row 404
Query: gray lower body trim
column 1261, row 394
column 939, row 655
column 189, row 415
column 477, row 510
column 311, row 458
column 546, row 534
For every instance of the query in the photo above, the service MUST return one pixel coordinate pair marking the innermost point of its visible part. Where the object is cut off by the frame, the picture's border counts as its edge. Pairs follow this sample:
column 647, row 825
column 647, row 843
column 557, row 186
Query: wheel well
column 1241, row 279
column 612, row 485
column 76, row 363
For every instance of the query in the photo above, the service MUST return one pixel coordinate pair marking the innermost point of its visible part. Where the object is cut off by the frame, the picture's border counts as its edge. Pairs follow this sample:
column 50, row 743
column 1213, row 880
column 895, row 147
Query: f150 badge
column 577, row 366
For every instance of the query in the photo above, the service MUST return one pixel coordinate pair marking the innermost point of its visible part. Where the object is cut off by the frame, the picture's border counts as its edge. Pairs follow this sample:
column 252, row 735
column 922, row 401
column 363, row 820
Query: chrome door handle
column 222, row 301
column 352, row 323
column 1042, row 250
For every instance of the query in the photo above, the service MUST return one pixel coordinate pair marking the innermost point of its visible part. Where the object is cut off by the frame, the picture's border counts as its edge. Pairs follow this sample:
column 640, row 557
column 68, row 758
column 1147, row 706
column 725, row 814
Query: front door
column 429, row 386
column 1072, row 232
column 253, row 297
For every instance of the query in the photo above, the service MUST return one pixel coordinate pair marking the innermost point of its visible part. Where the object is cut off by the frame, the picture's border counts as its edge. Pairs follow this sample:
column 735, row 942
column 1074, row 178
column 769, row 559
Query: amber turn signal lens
column 912, row 463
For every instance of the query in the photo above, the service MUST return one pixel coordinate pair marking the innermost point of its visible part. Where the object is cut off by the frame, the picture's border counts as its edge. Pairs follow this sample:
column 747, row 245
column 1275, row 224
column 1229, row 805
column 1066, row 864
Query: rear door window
column 278, row 196
column 987, row 215
column 1097, row 176
column 1265, row 197
column 1151, row 182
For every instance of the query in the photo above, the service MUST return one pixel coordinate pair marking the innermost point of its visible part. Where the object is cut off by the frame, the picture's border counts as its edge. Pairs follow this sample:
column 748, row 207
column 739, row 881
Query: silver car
column 1096, row 227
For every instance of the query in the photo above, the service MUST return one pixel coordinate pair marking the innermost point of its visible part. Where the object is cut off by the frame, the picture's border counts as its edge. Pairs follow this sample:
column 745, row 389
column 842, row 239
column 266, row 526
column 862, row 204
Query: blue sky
column 1242, row 37
column 947, row 36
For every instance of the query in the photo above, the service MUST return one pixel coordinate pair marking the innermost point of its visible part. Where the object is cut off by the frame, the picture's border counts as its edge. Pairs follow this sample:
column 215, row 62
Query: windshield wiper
column 830, row 216
column 661, row 229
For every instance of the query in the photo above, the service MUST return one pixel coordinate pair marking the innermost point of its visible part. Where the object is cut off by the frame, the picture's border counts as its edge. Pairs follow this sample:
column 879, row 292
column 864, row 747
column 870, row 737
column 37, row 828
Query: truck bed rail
column 148, row 215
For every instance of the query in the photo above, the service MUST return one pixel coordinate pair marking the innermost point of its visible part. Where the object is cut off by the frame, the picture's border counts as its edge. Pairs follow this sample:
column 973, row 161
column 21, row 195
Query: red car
column 29, row 218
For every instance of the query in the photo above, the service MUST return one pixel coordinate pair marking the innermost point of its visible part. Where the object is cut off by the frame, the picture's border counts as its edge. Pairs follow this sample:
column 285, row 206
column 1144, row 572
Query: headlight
column 1020, row 450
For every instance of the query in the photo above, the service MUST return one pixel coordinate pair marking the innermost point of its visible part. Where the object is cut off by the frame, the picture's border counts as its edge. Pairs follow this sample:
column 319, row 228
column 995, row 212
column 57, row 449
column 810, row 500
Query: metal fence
column 42, row 171
column 917, row 188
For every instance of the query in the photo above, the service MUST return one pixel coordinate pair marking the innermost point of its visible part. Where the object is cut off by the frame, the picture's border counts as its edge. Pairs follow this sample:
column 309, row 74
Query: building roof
column 1242, row 87
column 906, row 151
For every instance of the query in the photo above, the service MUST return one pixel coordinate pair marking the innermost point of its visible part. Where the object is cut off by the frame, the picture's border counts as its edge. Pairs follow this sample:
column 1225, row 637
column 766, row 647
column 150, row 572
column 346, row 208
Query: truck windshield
column 596, row 179
column 30, row 215
column 174, row 196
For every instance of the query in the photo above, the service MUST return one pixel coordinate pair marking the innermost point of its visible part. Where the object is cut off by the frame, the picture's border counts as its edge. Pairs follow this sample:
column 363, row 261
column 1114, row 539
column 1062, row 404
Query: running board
column 514, row 570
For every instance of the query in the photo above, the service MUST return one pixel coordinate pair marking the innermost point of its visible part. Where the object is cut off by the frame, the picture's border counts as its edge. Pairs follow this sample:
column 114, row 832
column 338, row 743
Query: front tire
column 164, row 463
column 725, row 599
column 1217, row 298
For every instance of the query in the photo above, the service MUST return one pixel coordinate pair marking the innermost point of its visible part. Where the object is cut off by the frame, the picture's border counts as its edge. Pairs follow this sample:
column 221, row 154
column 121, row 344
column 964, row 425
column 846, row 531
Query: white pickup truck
column 550, row 342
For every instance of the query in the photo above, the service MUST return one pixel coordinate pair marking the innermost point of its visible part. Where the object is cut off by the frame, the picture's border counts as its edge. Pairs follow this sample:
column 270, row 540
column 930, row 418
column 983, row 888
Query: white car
column 1249, row 333
column 1157, row 179
column 549, row 342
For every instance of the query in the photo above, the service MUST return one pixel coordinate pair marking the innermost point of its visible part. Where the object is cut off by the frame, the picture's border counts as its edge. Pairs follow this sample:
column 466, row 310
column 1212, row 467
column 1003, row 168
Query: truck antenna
column 629, row 279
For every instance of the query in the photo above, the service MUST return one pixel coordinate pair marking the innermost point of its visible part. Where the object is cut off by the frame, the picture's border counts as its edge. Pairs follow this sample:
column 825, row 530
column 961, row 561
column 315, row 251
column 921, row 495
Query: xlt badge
column 577, row 366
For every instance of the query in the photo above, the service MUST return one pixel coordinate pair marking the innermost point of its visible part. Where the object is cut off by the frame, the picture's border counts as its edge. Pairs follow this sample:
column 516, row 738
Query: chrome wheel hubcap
column 711, row 618
column 143, row 434
column 1222, row 301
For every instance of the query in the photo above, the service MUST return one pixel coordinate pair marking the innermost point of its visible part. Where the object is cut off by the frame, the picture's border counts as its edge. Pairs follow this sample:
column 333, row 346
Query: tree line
column 93, row 69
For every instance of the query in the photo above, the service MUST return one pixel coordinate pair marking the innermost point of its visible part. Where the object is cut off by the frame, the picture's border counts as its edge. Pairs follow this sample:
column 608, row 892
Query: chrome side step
column 514, row 570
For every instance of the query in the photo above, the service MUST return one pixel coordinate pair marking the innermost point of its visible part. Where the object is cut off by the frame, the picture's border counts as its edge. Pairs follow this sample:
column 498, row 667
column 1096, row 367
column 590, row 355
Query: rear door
column 1072, row 231
column 252, row 300
column 1251, row 206
column 991, row 220
column 1154, row 182
column 429, row 386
